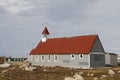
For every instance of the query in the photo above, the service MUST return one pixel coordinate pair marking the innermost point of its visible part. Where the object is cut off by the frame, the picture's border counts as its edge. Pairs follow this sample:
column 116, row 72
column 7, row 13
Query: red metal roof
column 70, row 45
column 45, row 31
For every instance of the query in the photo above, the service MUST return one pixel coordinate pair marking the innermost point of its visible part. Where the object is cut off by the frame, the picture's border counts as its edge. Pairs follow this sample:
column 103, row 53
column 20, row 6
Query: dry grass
column 57, row 73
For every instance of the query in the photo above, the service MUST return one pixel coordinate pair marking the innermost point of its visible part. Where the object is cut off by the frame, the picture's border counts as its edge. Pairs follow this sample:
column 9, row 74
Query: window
column 49, row 58
column 55, row 57
column 81, row 56
column 42, row 57
column 73, row 56
column 36, row 58
column 15, row 59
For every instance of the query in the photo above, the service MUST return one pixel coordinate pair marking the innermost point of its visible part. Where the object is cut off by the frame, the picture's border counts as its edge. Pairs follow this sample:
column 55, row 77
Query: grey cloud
column 22, row 31
column 59, row 10
column 15, row 6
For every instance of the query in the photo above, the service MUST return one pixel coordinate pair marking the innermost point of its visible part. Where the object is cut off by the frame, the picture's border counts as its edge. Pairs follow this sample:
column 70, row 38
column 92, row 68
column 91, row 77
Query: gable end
column 97, row 46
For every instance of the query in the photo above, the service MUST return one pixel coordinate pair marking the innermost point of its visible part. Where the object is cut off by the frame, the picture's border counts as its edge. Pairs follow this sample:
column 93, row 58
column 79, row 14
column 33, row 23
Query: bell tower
column 45, row 34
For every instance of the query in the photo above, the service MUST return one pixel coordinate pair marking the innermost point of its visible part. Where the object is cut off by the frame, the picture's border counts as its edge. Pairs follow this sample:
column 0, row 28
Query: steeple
column 45, row 31
column 45, row 34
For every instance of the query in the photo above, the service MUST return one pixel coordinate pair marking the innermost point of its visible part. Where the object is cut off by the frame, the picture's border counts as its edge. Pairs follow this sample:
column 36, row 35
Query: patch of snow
column 90, row 74
column 30, row 68
column 111, row 72
column 75, row 77
column 78, row 77
column 104, row 76
column 69, row 78
column 5, row 65
column 95, row 78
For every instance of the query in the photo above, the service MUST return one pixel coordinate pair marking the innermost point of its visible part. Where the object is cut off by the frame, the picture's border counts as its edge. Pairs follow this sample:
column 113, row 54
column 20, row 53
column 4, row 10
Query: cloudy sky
column 22, row 21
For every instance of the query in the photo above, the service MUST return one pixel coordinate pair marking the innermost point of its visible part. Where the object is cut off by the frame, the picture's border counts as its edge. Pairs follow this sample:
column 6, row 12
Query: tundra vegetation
column 18, row 71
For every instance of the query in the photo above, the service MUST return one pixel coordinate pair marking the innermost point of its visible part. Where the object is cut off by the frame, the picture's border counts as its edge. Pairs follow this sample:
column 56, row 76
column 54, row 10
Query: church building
column 84, row 51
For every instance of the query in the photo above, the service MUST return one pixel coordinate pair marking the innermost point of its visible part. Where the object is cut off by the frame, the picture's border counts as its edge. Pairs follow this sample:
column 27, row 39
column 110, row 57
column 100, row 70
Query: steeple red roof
column 70, row 45
column 45, row 31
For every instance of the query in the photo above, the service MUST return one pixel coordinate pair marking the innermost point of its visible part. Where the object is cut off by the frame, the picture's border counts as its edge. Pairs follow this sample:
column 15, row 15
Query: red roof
column 45, row 31
column 70, row 45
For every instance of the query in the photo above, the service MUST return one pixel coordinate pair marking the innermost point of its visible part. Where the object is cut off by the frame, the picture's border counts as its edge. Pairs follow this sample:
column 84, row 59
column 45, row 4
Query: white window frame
column 80, row 56
column 72, row 56
column 42, row 57
column 55, row 57
column 49, row 57
column 15, row 59
column 36, row 58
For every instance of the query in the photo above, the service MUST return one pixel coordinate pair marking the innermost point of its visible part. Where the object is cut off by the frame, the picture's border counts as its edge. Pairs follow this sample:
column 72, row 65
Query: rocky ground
column 18, row 71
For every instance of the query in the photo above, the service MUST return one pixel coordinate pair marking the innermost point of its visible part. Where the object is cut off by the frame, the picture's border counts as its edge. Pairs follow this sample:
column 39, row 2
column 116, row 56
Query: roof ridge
column 74, row 36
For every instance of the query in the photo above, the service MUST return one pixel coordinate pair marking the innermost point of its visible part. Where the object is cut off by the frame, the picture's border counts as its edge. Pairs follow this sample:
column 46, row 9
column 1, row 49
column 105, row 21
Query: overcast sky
column 22, row 21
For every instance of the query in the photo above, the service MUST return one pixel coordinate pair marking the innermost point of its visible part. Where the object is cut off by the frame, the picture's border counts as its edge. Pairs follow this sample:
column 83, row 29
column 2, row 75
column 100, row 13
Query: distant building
column 3, row 59
column 111, row 59
column 17, row 59
column 118, row 60
column 77, row 51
